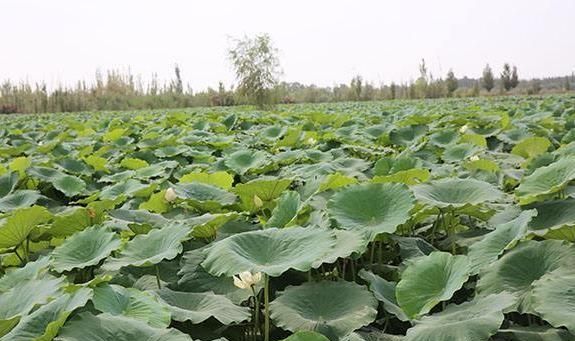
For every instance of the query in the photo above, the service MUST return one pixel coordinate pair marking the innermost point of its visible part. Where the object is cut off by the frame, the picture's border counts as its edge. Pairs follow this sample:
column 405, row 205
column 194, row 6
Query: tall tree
column 514, row 77
column 356, row 87
column 451, row 83
column 392, row 89
column 487, row 81
column 178, row 85
column 506, row 77
column 256, row 64
column 567, row 85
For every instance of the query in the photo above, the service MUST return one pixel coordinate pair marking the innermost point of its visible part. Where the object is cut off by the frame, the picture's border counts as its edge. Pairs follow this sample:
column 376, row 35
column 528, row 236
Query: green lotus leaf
column 18, row 226
column 481, row 164
column 333, row 309
column 44, row 323
column 384, row 291
column 456, row 192
column 129, row 302
column 371, row 208
column 204, row 196
column 85, row 248
column 194, row 278
column 207, row 225
column 288, row 205
column 475, row 139
column 545, row 181
column 219, row 179
column 537, row 333
column 407, row 136
column 198, row 307
column 517, row 270
column 412, row 247
column 267, row 189
column 129, row 218
column 19, row 199
column 408, row 177
column 459, row 152
column 106, row 327
column 160, row 169
column 133, row 163
column 554, row 298
column 469, row 321
column 151, row 248
column 444, row 274
column 335, row 181
column 553, row 215
column 505, row 236
column 70, row 185
column 443, row 138
column 244, row 160
column 531, row 147
column 31, row 271
column 22, row 298
column 128, row 189
column 306, row 336
column 74, row 166
column 272, row 251
column 157, row 203
column 8, row 183
column 392, row 165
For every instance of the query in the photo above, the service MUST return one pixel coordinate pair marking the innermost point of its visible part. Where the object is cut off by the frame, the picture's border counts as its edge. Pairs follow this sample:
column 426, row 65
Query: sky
column 319, row 42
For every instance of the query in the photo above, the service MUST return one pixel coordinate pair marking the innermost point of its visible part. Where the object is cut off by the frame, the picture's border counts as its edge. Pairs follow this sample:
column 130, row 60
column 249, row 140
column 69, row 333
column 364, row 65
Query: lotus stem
column 256, row 313
column 18, row 255
column 158, row 276
column 267, row 307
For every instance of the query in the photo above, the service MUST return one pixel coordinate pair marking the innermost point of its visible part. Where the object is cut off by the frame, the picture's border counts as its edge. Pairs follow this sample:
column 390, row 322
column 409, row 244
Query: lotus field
column 446, row 220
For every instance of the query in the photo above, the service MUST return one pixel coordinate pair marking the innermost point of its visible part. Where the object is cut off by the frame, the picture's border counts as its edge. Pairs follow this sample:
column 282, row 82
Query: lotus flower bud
column 463, row 129
column 474, row 158
column 170, row 195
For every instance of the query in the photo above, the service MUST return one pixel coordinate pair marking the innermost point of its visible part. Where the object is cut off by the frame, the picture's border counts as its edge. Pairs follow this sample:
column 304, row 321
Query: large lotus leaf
column 413, row 247
column 459, row 152
column 306, row 336
column 16, row 228
column 244, row 160
column 151, row 248
column 195, row 278
column 392, row 165
column 117, row 300
column 219, row 179
column 487, row 250
column 371, row 208
column 207, row 225
column 85, row 248
column 443, row 138
column 160, row 169
column 106, row 327
column 554, row 298
column 546, row 180
column 19, row 300
column 286, row 209
column 44, row 323
column 70, row 221
column 128, row 189
column 335, row 181
column 469, row 321
column 8, row 183
column 198, row 307
column 553, row 215
column 348, row 242
column 444, row 274
column 30, row 271
column 266, row 189
column 70, row 185
column 531, row 147
column 19, row 199
column 456, row 192
column 407, row 136
column 203, row 195
column 537, row 333
column 517, row 270
column 272, row 251
column 333, row 309
column 384, row 291
column 130, row 218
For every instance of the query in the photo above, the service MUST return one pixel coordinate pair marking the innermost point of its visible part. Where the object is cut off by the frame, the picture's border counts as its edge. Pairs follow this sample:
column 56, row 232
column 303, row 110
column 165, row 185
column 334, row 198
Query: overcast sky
column 321, row 42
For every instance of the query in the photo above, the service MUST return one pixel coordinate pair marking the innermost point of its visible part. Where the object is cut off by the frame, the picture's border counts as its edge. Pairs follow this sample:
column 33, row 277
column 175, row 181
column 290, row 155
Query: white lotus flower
column 311, row 141
column 246, row 279
column 463, row 129
column 170, row 195
column 474, row 158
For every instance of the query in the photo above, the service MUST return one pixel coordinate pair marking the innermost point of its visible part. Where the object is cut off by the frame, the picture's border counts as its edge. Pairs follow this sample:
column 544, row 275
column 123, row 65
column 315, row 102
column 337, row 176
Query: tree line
column 256, row 65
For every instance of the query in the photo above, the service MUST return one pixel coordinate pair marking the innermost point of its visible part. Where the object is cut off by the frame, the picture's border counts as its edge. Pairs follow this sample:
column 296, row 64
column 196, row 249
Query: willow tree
column 256, row 64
